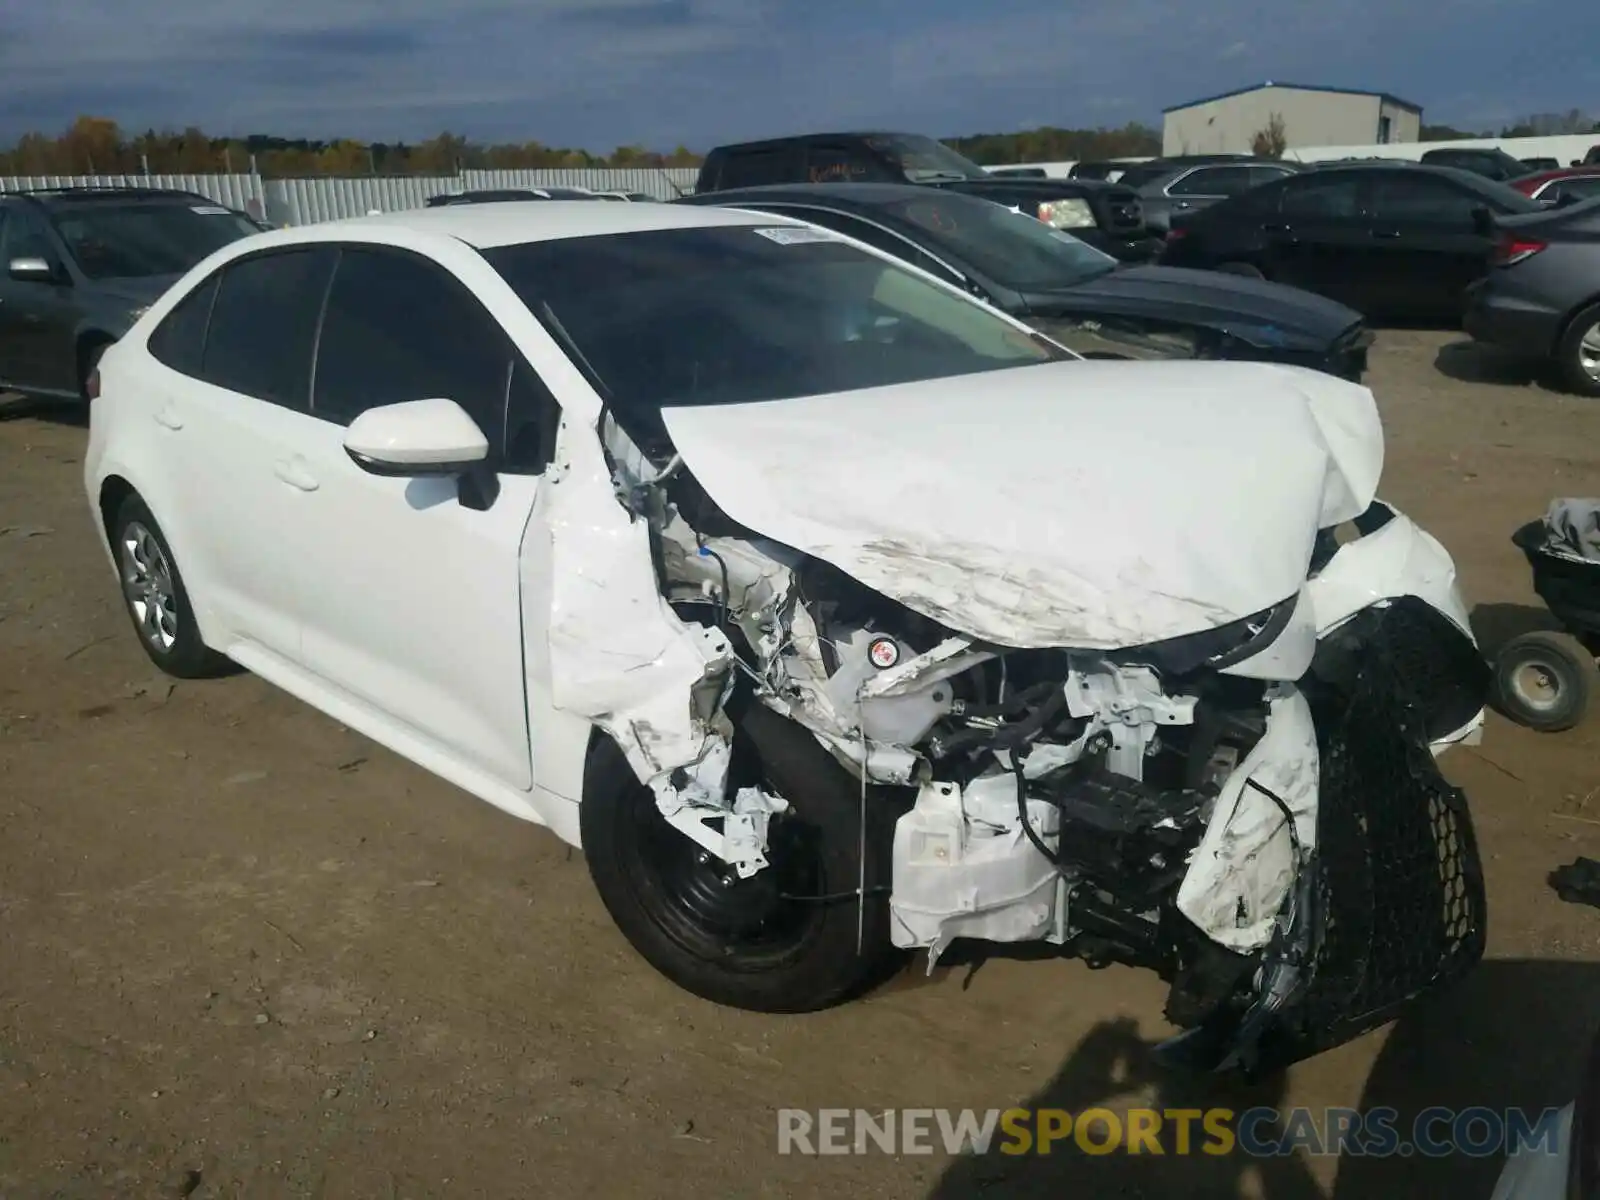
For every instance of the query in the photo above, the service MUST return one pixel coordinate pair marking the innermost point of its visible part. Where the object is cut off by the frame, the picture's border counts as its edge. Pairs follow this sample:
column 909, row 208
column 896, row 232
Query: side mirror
column 418, row 437
column 31, row 270
column 1567, row 198
column 425, row 438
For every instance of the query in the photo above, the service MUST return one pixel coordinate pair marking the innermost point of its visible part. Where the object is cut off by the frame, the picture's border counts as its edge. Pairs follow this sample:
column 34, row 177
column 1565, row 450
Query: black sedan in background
column 1541, row 297
column 1395, row 242
column 1071, row 291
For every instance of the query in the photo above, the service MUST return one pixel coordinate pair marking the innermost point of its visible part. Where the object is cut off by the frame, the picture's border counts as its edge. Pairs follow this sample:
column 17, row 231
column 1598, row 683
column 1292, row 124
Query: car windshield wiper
column 938, row 177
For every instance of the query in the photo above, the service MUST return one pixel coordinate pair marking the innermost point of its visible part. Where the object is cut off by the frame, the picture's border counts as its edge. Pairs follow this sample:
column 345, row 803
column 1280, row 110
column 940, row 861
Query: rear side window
column 398, row 328
column 264, row 322
column 752, row 168
column 1322, row 197
column 179, row 341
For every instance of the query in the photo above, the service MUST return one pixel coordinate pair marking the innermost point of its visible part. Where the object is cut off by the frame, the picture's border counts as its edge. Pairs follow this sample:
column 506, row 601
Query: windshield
column 1015, row 250
column 922, row 158
column 733, row 314
column 133, row 241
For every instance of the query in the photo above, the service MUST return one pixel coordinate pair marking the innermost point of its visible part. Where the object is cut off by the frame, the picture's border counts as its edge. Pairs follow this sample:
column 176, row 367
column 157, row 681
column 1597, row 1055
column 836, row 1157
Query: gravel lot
column 245, row 952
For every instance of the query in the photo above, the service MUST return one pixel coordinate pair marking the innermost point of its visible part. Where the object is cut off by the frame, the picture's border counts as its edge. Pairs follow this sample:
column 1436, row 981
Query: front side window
column 135, row 241
column 1411, row 198
column 400, row 328
column 1213, row 181
column 728, row 315
column 25, row 238
column 264, row 324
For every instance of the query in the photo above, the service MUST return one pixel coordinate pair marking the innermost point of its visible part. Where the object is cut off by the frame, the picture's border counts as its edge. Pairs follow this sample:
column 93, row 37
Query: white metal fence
column 306, row 201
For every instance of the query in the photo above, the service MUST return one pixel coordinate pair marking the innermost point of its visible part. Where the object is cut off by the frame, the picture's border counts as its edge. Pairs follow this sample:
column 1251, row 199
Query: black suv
column 1491, row 162
column 1105, row 215
column 81, row 265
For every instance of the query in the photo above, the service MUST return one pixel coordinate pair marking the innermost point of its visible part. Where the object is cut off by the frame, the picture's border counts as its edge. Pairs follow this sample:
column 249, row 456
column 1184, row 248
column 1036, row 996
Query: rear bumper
column 1521, row 326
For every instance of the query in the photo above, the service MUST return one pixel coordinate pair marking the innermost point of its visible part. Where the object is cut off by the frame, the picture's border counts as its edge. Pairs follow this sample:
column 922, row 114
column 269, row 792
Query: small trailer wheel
column 1543, row 680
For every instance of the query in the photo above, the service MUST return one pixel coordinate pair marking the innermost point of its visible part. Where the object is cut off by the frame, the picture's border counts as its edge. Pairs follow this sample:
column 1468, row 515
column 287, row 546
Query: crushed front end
column 1252, row 811
column 1285, row 854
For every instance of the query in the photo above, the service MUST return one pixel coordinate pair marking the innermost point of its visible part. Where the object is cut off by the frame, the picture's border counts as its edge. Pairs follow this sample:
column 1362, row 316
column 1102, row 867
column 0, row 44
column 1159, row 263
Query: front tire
column 1578, row 355
column 784, row 940
column 155, row 597
column 1543, row 680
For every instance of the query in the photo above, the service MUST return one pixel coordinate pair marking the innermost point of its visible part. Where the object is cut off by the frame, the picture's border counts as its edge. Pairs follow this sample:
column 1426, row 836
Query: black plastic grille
column 1433, row 662
column 1399, row 879
column 1123, row 211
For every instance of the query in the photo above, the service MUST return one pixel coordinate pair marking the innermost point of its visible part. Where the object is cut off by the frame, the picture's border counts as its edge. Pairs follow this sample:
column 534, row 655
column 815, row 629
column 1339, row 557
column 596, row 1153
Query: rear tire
column 1543, row 680
column 749, row 944
column 1578, row 355
column 155, row 598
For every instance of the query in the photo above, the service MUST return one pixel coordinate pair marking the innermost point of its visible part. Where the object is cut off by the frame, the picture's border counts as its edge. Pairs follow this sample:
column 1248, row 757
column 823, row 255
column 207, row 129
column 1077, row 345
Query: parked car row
column 1384, row 239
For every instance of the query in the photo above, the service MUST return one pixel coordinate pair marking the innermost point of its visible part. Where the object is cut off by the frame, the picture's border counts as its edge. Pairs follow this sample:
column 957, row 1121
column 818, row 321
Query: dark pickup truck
column 1105, row 215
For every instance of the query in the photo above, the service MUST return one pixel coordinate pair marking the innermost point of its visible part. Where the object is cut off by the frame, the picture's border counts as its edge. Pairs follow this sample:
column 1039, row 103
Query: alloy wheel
column 147, row 586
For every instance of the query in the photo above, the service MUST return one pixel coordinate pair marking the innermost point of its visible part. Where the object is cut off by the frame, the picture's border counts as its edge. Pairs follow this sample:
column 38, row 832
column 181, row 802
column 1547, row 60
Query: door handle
column 1386, row 233
column 1277, row 229
column 169, row 418
column 293, row 472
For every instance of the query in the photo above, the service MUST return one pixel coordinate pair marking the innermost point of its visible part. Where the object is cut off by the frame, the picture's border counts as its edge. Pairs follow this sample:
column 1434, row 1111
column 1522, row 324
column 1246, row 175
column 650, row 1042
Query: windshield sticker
column 209, row 210
column 795, row 235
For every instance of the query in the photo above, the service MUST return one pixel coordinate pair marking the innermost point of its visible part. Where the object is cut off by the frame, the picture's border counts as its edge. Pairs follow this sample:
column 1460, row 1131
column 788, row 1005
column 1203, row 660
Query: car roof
column 92, row 195
column 485, row 226
column 842, row 195
column 1585, row 172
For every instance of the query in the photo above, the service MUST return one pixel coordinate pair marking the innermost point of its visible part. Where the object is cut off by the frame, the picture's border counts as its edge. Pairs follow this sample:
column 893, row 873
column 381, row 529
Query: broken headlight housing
column 1066, row 214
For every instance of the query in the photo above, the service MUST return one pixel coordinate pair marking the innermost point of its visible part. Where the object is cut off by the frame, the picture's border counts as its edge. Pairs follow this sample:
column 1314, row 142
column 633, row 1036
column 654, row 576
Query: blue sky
column 599, row 73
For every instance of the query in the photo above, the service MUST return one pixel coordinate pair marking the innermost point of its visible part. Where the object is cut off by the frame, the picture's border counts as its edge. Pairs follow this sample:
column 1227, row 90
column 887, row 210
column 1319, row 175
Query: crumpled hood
column 1084, row 504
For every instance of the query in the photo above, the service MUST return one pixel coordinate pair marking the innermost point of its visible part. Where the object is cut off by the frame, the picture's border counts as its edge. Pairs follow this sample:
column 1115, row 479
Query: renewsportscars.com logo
column 1257, row 1132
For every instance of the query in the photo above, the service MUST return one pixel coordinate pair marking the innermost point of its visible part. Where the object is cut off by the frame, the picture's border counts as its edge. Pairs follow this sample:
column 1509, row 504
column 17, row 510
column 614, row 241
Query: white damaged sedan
column 830, row 611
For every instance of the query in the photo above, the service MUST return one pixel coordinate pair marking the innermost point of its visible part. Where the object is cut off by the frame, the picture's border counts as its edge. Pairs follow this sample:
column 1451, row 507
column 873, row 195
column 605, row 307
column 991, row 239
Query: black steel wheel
column 784, row 940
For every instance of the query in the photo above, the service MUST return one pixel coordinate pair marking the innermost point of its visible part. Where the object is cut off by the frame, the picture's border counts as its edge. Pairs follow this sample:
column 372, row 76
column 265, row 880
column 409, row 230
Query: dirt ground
column 245, row 952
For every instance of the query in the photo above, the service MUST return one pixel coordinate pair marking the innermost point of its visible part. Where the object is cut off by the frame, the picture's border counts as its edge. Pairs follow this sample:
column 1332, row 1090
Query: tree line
column 98, row 146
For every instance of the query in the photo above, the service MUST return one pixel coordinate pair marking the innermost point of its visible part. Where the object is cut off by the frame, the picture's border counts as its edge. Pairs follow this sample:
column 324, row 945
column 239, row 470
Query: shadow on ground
column 1472, row 362
column 1511, row 1035
column 1496, row 624
column 59, row 412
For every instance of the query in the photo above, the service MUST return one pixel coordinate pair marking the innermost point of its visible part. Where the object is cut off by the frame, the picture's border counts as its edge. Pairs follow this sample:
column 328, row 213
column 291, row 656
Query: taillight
column 1174, row 235
column 1510, row 249
column 91, row 386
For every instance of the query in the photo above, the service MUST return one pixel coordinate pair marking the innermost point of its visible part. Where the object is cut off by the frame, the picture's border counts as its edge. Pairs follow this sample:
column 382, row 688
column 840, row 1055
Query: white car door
column 414, row 604
column 230, row 424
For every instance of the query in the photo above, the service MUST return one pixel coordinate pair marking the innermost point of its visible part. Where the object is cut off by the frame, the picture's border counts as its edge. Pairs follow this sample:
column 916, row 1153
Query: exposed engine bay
column 1165, row 805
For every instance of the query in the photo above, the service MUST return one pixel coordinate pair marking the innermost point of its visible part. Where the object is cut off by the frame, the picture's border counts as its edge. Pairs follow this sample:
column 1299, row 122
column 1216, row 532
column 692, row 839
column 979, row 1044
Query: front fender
column 1397, row 559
